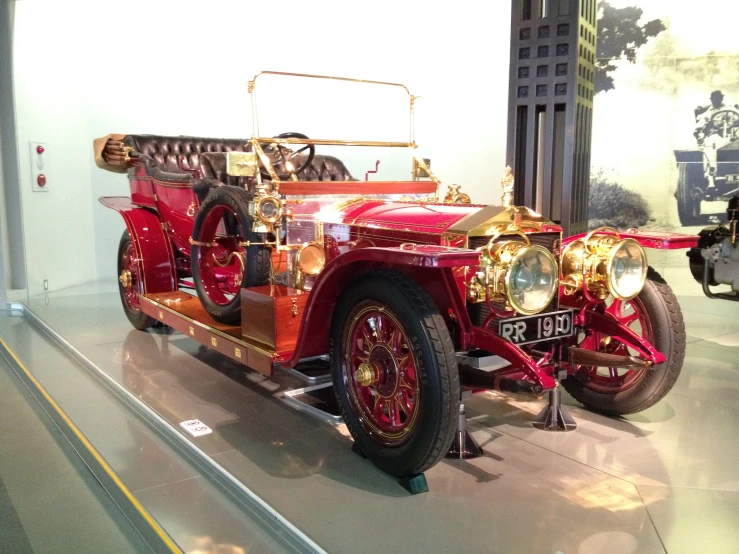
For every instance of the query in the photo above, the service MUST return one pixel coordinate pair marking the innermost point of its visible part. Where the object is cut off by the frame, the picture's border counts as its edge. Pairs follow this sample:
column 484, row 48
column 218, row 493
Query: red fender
column 650, row 239
column 425, row 263
column 153, row 248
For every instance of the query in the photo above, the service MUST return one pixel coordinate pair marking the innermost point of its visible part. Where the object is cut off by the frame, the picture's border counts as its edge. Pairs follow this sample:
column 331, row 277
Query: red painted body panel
column 173, row 202
column 652, row 239
column 315, row 327
column 142, row 190
column 152, row 246
column 418, row 218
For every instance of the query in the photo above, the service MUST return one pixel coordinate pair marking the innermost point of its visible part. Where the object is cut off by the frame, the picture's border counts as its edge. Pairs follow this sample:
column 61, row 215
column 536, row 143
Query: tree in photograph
column 620, row 36
column 613, row 205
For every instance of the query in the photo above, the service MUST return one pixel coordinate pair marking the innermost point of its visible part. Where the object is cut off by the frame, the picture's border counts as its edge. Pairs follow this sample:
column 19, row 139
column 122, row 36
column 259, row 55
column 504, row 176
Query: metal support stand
column 554, row 417
column 464, row 446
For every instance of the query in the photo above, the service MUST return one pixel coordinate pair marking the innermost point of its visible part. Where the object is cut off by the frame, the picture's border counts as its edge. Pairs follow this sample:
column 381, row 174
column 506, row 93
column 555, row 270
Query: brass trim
column 198, row 243
column 523, row 251
column 125, row 278
column 213, row 330
column 507, row 185
column 335, row 142
column 252, row 83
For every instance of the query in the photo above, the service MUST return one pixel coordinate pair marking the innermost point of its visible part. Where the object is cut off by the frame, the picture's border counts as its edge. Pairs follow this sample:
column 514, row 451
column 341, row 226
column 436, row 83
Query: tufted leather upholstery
column 175, row 158
column 168, row 152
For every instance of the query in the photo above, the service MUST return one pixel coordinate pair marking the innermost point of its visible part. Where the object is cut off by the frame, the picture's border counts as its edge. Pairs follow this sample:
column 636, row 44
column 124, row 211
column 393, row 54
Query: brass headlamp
column 602, row 263
column 522, row 276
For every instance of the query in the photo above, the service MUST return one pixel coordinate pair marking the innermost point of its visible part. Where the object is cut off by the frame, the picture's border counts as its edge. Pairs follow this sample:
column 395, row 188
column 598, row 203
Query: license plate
column 536, row 328
column 732, row 178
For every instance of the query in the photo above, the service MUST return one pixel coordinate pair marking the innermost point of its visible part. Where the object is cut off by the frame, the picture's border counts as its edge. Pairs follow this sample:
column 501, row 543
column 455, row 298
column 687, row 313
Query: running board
column 185, row 313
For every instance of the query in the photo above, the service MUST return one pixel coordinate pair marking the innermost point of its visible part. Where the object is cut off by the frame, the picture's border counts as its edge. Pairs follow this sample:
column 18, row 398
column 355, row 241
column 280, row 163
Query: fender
column 151, row 244
column 433, row 264
column 650, row 239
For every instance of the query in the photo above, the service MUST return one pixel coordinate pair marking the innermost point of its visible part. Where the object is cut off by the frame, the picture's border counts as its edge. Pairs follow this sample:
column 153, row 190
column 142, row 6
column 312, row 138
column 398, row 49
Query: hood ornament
column 507, row 184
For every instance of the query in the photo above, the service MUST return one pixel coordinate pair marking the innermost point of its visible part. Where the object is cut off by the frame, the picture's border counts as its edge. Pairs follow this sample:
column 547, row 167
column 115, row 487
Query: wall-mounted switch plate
column 39, row 171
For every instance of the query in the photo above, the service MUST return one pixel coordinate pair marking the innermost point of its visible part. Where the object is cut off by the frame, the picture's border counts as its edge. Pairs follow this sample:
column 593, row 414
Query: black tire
column 668, row 329
column 138, row 319
column 690, row 177
column 436, row 374
column 257, row 258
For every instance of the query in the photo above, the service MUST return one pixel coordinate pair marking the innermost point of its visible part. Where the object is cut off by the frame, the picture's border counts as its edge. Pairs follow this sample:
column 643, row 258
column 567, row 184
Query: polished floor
column 664, row 480
column 49, row 500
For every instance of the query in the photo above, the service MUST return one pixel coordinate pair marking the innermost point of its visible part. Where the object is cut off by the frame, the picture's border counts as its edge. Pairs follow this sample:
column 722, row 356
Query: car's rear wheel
column 130, row 283
column 689, row 178
column 220, row 266
column 654, row 315
column 394, row 372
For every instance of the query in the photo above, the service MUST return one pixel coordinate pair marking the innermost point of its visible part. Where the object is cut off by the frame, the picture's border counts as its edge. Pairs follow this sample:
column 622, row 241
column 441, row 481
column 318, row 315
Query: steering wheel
column 723, row 120
column 288, row 159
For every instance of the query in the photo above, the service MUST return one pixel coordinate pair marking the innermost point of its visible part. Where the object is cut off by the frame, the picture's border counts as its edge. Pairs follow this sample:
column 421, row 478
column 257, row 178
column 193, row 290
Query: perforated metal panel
column 550, row 106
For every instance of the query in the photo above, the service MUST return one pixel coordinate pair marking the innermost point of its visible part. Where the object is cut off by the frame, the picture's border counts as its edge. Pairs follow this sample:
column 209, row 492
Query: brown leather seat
column 186, row 159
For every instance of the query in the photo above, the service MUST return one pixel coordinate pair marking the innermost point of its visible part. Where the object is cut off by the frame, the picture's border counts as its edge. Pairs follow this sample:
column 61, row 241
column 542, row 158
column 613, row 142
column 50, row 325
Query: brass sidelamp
column 603, row 264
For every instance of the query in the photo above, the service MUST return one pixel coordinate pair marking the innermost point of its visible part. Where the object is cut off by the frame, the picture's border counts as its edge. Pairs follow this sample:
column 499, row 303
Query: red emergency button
column 41, row 179
column 40, row 149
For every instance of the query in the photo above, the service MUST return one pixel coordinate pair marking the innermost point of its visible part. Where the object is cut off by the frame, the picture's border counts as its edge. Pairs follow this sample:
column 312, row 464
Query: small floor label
column 196, row 427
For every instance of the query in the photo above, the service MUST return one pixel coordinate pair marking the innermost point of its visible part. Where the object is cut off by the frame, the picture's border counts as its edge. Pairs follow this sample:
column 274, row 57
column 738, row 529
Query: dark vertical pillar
column 550, row 106
column 9, row 151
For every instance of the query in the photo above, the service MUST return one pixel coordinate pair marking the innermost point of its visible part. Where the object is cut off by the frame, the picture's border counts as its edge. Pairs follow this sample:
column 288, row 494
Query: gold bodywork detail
column 455, row 196
column 125, row 278
column 311, row 258
column 365, row 375
column 242, row 164
column 587, row 263
column 507, row 185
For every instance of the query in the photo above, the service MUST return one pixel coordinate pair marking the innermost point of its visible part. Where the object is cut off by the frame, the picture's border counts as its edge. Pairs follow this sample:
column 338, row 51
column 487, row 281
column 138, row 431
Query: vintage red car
column 410, row 294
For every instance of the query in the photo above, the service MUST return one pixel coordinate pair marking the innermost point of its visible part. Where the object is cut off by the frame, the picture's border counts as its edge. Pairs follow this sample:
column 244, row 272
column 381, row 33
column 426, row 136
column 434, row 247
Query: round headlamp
column 311, row 258
column 531, row 280
column 269, row 209
column 626, row 269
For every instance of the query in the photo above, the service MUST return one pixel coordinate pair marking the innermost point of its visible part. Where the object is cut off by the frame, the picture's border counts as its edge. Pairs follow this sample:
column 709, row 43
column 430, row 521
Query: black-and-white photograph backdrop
column 665, row 152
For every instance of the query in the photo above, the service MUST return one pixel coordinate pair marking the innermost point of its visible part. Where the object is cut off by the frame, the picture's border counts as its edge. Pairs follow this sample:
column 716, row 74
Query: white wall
column 86, row 69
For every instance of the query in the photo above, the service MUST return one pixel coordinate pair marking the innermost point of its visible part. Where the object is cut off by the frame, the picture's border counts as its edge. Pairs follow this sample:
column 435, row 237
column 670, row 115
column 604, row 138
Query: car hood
column 431, row 218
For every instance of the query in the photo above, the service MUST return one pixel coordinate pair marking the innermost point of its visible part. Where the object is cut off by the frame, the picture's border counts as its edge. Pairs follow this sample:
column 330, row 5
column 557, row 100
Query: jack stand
column 554, row 417
column 464, row 446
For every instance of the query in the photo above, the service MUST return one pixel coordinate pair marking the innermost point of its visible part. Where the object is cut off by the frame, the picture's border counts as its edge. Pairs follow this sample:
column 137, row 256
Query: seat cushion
column 181, row 154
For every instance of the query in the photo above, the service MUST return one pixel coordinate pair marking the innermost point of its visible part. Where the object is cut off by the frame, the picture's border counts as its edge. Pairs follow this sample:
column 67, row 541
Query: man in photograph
column 713, row 124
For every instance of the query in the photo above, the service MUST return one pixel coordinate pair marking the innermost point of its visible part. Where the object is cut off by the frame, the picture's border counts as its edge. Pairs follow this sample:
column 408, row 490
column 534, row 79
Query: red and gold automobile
column 411, row 294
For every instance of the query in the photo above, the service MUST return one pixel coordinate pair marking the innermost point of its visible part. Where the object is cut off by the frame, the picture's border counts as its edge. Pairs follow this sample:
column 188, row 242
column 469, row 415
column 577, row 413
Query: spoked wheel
column 130, row 284
column 395, row 373
column 220, row 266
column 654, row 315
column 688, row 194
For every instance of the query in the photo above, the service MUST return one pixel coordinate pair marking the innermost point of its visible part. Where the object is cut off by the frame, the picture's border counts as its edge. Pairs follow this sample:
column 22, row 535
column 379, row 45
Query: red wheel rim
column 222, row 265
column 380, row 374
column 131, row 288
column 613, row 380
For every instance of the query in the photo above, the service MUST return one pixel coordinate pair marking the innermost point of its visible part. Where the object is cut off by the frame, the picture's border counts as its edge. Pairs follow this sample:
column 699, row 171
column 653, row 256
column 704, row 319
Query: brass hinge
column 165, row 225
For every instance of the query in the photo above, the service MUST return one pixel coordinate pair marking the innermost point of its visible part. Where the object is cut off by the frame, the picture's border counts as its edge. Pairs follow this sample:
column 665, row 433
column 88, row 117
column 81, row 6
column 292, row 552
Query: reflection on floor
column 662, row 480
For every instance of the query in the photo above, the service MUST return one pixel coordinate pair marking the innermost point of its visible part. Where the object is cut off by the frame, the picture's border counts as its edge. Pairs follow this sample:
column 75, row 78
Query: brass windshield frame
column 411, row 144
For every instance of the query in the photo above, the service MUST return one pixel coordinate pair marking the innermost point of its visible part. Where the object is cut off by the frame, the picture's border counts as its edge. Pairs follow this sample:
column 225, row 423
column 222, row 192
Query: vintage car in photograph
column 715, row 260
column 709, row 172
column 409, row 290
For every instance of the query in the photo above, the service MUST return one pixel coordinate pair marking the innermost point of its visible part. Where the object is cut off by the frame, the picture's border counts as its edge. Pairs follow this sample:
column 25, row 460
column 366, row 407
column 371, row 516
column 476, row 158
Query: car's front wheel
column 654, row 315
column 395, row 373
